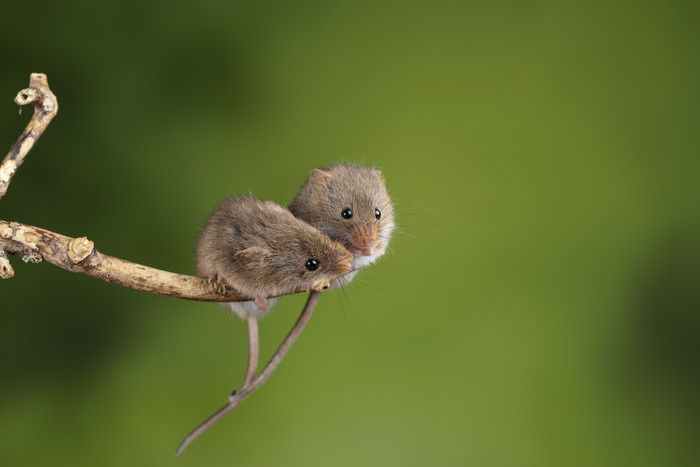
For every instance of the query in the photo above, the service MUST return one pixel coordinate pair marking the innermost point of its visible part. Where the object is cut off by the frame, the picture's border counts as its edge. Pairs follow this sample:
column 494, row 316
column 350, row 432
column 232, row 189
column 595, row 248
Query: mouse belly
column 249, row 309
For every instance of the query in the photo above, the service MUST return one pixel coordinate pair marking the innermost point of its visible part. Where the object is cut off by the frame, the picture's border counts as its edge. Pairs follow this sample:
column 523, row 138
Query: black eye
column 377, row 213
column 347, row 213
column 312, row 264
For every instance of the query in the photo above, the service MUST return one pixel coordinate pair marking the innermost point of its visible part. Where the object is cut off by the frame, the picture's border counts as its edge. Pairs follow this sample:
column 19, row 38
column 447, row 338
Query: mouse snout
column 363, row 240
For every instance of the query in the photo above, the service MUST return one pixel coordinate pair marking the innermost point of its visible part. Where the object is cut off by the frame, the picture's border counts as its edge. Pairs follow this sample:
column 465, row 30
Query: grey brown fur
column 260, row 249
column 329, row 191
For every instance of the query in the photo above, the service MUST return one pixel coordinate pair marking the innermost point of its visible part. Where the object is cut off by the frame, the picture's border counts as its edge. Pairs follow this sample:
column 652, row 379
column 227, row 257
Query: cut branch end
column 6, row 270
column 79, row 249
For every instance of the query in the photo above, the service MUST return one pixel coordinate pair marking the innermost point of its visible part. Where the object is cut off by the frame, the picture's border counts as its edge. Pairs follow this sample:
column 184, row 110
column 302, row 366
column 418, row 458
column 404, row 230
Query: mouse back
column 261, row 249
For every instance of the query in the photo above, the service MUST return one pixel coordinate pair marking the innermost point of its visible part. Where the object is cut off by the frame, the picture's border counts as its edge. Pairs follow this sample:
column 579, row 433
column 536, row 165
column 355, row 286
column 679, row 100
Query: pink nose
column 367, row 250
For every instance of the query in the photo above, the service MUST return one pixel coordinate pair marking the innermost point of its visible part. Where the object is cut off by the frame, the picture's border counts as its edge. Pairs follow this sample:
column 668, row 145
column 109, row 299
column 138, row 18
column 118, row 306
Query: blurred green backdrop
column 540, row 305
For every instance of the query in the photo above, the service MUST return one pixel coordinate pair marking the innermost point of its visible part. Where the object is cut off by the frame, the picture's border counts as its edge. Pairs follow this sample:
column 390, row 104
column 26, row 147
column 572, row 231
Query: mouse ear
column 253, row 256
column 320, row 176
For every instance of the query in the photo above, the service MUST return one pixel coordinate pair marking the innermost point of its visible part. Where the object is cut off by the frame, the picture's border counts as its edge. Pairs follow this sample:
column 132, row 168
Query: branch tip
column 25, row 97
column 38, row 79
column 45, row 107
column 6, row 270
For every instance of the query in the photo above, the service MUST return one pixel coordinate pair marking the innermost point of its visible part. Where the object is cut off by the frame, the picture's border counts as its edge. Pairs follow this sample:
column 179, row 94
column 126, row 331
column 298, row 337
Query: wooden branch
column 45, row 108
column 249, row 386
column 79, row 254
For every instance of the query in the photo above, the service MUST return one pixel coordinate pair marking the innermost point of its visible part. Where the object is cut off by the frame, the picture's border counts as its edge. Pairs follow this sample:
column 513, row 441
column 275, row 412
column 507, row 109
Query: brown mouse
column 262, row 250
column 350, row 204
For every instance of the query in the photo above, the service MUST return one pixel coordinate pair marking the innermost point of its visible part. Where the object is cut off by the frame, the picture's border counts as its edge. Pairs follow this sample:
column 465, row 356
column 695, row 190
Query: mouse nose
column 363, row 238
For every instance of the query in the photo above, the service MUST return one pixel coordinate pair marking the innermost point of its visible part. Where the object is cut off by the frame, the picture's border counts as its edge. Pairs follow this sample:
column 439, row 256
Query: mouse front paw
column 218, row 282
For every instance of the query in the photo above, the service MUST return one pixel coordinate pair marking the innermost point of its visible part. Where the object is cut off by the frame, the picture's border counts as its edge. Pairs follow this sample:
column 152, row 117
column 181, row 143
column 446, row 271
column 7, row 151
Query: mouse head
column 299, row 256
column 350, row 204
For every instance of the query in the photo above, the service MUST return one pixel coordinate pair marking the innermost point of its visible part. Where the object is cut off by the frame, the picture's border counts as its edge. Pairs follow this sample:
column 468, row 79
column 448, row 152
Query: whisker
column 340, row 301
column 408, row 200
column 407, row 234
column 383, row 297
column 422, row 227
column 425, row 211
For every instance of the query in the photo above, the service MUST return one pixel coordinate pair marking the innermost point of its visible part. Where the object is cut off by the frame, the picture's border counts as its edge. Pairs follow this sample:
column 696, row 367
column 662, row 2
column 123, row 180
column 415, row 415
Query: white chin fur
column 358, row 262
column 365, row 260
column 248, row 309
column 362, row 261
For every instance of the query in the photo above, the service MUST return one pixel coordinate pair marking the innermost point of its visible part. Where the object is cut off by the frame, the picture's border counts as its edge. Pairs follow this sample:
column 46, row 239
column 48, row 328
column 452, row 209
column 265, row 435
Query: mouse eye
column 377, row 213
column 347, row 213
column 312, row 264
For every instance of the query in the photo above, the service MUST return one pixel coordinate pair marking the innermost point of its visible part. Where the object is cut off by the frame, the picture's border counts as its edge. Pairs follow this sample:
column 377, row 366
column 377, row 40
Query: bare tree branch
column 79, row 254
column 45, row 108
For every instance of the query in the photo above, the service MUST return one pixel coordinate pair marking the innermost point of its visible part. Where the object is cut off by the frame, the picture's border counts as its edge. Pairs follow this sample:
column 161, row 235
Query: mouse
column 262, row 250
column 351, row 205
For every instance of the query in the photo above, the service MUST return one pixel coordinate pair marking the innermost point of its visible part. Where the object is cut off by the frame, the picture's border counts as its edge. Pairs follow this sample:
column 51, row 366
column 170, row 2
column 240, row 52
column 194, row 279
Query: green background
column 540, row 305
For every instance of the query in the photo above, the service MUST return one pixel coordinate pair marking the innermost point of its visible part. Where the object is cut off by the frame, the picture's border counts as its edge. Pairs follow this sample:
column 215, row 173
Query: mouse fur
column 260, row 249
column 330, row 192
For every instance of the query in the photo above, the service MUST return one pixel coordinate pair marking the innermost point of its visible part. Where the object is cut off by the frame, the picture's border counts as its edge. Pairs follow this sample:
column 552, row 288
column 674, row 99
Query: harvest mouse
column 350, row 204
column 262, row 250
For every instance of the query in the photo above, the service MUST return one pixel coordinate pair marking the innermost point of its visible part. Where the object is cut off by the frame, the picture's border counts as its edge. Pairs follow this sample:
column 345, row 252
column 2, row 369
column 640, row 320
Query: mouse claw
column 233, row 394
column 218, row 282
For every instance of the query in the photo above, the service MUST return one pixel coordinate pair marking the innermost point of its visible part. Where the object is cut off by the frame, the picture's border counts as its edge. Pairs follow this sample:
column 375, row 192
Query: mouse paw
column 213, row 278
column 218, row 282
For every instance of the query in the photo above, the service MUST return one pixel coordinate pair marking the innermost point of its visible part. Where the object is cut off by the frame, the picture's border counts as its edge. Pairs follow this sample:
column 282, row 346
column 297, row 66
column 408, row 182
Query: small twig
column 237, row 397
column 45, row 108
column 79, row 255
